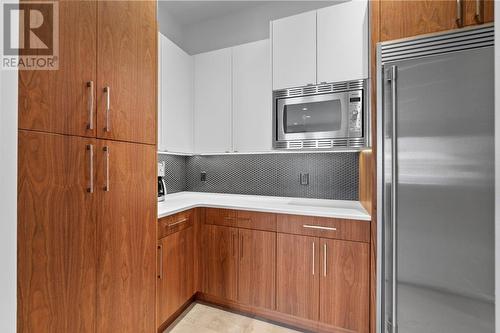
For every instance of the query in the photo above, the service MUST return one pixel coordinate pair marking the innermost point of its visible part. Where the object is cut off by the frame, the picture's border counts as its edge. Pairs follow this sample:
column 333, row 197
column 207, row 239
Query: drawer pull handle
column 227, row 218
column 314, row 257
column 160, row 273
column 178, row 222
column 307, row 226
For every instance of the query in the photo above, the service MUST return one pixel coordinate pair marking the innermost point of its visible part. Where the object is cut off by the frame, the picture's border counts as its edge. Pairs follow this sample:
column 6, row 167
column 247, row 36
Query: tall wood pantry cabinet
column 87, row 175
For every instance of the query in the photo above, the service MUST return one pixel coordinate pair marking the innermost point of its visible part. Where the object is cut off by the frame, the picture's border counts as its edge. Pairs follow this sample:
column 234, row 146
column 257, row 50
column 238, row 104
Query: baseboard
column 176, row 314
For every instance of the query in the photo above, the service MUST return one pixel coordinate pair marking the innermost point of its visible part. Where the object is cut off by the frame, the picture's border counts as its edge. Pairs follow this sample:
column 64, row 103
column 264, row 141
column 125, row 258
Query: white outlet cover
column 161, row 169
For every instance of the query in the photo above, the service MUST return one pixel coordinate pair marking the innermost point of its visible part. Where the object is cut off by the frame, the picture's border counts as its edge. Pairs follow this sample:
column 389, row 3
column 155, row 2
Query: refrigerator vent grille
column 453, row 41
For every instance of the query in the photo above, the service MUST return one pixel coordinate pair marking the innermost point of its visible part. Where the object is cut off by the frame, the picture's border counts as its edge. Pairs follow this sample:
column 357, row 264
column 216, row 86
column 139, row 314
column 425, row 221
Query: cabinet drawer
column 173, row 223
column 324, row 227
column 256, row 220
column 223, row 217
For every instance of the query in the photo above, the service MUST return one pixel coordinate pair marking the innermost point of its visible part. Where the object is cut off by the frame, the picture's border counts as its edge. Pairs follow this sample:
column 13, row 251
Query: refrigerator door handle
column 394, row 194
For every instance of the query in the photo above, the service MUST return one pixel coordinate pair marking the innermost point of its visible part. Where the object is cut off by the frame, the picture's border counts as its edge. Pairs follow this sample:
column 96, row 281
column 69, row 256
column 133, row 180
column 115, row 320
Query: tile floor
column 200, row 318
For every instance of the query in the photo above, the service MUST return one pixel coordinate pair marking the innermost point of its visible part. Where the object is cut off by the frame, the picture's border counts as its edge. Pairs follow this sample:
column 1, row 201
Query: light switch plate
column 161, row 169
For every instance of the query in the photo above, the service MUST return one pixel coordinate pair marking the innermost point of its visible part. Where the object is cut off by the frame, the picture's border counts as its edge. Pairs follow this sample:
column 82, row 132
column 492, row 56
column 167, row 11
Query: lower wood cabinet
column 175, row 272
column 297, row 283
column 221, row 261
column 257, row 268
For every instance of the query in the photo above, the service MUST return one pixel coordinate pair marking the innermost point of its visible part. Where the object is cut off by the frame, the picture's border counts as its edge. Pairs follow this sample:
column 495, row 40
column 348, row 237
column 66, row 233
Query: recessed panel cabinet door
column 344, row 285
column 297, row 286
column 63, row 100
column 56, row 250
column 257, row 268
column 127, row 71
column 126, row 228
column 222, row 261
column 175, row 280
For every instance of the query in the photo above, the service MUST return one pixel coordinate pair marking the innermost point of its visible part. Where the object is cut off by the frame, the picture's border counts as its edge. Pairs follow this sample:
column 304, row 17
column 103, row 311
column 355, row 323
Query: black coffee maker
column 162, row 189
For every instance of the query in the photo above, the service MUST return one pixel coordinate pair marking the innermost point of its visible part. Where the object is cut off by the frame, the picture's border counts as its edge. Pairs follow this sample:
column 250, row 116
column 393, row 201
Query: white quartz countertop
column 178, row 202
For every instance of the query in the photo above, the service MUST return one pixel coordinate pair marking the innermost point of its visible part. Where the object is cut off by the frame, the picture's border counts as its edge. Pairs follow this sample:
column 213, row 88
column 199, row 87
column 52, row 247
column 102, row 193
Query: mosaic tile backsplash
column 331, row 175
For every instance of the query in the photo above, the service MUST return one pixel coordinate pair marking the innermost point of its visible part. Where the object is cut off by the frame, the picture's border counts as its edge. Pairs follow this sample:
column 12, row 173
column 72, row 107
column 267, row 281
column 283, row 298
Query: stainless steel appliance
column 436, row 183
column 162, row 189
column 326, row 116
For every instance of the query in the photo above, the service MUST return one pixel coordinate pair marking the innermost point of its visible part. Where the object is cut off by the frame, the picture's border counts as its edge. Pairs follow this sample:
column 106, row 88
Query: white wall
column 497, row 163
column 8, row 196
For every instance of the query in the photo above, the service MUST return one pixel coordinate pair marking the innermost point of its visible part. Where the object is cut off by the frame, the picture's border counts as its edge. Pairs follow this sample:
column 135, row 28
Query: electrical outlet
column 304, row 179
column 203, row 176
column 161, row 169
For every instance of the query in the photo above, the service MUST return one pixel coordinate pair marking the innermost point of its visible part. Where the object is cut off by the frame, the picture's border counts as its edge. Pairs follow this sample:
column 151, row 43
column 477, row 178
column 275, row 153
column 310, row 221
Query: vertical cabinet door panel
column 63, row 100
column 297, row 289
column 212, row 101
column 294, row 51
column 175, row 285
column 344, row 285
column 257, row 268
column 252, row 102
column 400, row 19
column 343, row 56
column 56, row 234
column 222, row 262
column 127, row 64
column 126, row 226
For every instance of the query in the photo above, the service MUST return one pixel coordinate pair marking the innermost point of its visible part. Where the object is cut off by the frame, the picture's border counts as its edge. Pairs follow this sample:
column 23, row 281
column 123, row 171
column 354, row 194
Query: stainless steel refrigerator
column 436, row 183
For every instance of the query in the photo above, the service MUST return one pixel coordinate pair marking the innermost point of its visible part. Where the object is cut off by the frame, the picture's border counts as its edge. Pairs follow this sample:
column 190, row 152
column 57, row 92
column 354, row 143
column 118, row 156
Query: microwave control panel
column 355, row 113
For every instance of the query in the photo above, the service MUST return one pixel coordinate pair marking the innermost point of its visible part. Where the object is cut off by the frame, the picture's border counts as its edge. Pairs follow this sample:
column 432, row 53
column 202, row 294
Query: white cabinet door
column 212, row 102
column 343, row 42
column 252, row 103
column 177, row 98
column 294, row 51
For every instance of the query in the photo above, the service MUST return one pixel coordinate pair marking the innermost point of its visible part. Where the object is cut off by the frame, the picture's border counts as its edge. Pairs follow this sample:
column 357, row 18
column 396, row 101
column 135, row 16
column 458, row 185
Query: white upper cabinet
column 176, row 99
column 343, row 42
column 212, row 102
column 294, row 51
column 252, row 103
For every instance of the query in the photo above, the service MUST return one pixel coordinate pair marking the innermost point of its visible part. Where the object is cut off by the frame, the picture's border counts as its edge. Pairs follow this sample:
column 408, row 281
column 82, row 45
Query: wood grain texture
column 127, row 63
column 366, row 179
column 344, row 285
column 174, row 223
column 486, row 11
column 57, row 101
column 176, row 280
column 56, row 282
column 400, row 19
column 126, row 228
column 222, row 217
column 345, row 229
column 257, row 268
column 297, row 288
column 222, row 261
column 256, row 220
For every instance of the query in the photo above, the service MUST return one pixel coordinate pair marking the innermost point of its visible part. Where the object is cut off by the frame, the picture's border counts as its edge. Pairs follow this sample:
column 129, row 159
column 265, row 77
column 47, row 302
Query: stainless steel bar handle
column 314, row 257
column 160, row 273
column 324, row 259
column 107, row 91
column 106, row 152
column 90, row 149
column 394, row 192
column 307, row 226
column 241, row 246
column 459, row 19
column 479, row 13
column 90, row 85
column 178, row 222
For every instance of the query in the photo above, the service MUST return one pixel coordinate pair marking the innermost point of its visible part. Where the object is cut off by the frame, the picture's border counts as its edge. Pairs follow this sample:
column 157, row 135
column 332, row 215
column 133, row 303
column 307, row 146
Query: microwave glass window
column 322, row 116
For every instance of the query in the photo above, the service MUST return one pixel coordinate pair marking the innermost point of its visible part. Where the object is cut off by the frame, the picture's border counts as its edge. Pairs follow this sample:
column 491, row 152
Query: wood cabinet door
column 297, row 280
column 294, row 51
column 257, row 268
column 126, row 187
column 127, row 71
column 343, row 56
column 63, row 100
column 212, row 101
column 175, row 284
column 344, row 285
column 400, row 19
column 222, row 261
column 56, row 233
column 478, row 11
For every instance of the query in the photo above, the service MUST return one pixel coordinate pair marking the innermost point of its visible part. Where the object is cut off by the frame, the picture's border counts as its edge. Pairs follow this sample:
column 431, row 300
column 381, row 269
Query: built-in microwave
column 326, row 116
